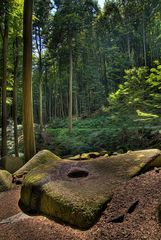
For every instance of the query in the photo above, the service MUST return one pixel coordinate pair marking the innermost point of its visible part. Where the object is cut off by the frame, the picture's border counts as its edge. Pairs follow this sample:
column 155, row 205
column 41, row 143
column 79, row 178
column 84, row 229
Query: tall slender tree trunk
column 40, row 105
column 144, row 42
column 62, row 105
column 76, row 106
column 128, row 48
column 16, row 58
column 28, row 128
column 49, row 106
column 46, row 96
column 70, row 91
column 55, row 107
column 39, row 48
column 38, row 42
column 4, row 90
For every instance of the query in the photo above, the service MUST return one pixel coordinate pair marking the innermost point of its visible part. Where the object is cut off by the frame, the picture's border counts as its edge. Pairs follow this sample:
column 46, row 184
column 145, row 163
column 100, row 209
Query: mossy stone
column 86, row 156
column 76, row 192
column 5, row 180
column 42, row 158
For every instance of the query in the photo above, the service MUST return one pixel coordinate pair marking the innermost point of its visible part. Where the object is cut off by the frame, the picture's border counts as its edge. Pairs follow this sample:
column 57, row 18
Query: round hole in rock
column 78, row 173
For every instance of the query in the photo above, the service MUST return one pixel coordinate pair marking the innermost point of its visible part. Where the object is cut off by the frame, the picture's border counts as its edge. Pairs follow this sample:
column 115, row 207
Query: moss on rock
column 5, row 180
column 42, row 158
column 77, row 191
column 86, row 156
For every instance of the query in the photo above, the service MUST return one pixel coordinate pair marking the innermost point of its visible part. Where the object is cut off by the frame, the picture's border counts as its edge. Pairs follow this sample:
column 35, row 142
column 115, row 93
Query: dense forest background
column 96, row 74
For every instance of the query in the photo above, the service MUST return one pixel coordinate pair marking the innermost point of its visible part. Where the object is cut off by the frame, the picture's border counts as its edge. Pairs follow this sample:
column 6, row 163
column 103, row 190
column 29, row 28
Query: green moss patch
column 86, row 156
column 77, row 191
column 42, row 158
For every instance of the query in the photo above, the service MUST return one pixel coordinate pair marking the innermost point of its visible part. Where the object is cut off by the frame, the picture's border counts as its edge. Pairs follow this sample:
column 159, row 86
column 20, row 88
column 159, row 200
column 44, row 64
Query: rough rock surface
column 139, row 224
column 77, row 191
column 5, row 180
column 42, row 158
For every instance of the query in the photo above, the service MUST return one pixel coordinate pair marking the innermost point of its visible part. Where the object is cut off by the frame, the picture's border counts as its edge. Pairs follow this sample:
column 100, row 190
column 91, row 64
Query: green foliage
column 111, row 48
column 132, row 94
column 140, row 93
column 112, row 132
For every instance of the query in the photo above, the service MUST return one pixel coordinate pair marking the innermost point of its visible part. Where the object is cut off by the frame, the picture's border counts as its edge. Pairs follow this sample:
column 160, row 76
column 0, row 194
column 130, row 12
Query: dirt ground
column 131, row 214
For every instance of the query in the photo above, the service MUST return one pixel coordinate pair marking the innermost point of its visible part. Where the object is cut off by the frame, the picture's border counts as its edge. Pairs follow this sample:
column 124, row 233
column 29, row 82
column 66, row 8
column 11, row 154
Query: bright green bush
column 132, row 93
column 141, row 92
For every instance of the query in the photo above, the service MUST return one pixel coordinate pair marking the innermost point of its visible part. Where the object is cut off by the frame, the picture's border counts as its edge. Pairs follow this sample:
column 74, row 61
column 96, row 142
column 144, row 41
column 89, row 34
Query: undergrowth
column 110, row 132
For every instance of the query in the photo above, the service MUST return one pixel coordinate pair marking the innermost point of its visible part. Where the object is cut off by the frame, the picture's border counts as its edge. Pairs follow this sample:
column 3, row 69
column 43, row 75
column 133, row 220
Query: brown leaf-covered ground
column 131, row 215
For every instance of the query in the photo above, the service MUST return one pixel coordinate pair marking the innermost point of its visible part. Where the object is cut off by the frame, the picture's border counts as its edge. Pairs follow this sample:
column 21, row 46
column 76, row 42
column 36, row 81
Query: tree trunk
column 28, row 129
column 62, row 105
column 4, row 90
column 128, row 48
column 50, row 114
column 70, row 91
column 40, row 105
column 55, row 107
column 38, row 42
column 46, row 98
column 15, row 46
column 144, row 42
column 76, row 106
column 39, row 48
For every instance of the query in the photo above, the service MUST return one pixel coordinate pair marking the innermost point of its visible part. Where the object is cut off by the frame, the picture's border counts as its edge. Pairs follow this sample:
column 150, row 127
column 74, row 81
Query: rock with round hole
column 76, row 192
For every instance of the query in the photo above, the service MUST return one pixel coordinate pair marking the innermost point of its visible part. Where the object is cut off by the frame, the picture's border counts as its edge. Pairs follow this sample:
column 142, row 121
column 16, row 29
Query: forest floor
column 131, row 214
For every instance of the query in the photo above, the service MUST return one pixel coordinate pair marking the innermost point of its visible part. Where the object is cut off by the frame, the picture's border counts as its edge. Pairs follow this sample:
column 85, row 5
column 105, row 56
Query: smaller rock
column 5, row 181
column 76, row 157
column 86, row 156
column 15, row 218
column 42, row 158
column 115, row 153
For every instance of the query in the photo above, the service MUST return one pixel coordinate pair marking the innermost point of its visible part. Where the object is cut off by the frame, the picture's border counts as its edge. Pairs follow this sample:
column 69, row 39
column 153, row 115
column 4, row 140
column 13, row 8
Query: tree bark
column 39, row 49
column 62, row 105
column 40, row 105
column 144, row 42
column 16, row 58
column 128, row 47
column 4, row 90
column 70, row 91
column 76, row 106
column 28, row 128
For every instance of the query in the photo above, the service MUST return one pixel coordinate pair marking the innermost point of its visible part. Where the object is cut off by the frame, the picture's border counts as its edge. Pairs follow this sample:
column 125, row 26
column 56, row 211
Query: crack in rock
column 132, row 208
column 121, row 218
column 118, row 219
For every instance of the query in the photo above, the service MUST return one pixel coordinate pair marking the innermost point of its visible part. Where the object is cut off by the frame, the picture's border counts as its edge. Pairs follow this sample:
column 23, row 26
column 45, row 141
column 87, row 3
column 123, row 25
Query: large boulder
column 5, row 180
column 77, row 191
